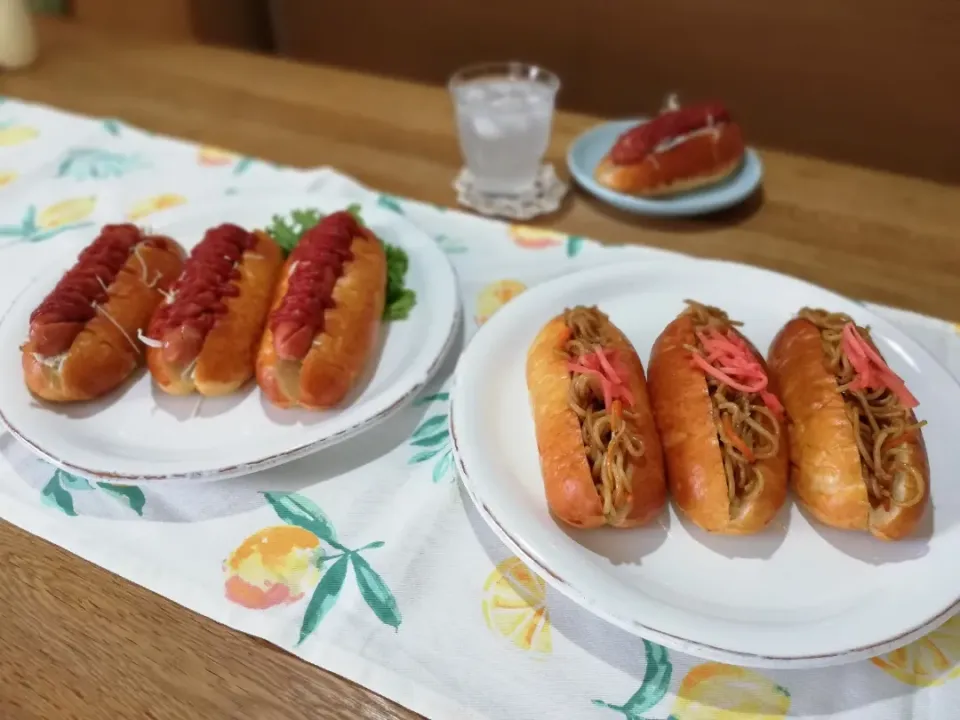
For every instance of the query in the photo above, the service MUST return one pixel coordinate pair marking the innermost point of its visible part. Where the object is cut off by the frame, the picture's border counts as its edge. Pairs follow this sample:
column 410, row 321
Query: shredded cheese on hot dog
column 108, row 316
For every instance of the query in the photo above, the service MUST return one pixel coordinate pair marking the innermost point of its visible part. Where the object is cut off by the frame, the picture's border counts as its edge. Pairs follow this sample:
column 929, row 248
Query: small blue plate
column 587, row 150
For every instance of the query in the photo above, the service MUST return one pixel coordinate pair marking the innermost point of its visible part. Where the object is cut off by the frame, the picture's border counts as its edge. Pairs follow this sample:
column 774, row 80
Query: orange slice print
column 274, row 566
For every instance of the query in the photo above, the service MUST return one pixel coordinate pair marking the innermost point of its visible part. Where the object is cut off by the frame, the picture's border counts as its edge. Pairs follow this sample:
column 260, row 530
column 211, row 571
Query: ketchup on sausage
column 57, row 321
column 198, row 295
column 318, row 262
column 636, row 144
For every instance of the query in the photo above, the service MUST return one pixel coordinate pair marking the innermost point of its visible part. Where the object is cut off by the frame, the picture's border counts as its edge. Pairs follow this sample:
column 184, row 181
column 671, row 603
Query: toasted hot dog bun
column 707, row 157
column 684, row 414
column 106, row 350
column 340, row 352
column 226, row 357
column 825, row 470
column 571, row 493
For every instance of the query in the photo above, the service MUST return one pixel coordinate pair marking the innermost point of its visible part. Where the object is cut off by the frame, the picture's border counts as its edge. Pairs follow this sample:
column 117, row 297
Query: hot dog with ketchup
column 720, row 421
column 682, row 149
column 858, row 458
column 204, row 337
column 83, row 338
column 600, row 454
column 325, row 316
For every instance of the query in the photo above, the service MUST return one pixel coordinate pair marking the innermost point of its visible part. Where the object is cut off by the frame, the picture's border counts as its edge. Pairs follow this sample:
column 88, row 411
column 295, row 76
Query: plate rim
column 184, row 214
column 657, row 207
column 682, row 644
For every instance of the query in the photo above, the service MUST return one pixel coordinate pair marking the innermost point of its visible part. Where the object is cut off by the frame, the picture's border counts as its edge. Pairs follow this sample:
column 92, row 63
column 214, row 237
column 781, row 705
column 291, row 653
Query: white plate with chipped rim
column 139, row 434
column 796, row 595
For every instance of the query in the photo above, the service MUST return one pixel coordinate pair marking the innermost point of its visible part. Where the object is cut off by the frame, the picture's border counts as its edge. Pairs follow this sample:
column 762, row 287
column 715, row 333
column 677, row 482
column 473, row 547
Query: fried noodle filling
column 744, row 413
column 601, row 400
column 881, row 422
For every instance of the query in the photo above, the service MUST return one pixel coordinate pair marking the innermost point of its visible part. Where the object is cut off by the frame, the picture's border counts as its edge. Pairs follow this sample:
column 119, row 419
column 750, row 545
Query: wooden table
column 77, row 642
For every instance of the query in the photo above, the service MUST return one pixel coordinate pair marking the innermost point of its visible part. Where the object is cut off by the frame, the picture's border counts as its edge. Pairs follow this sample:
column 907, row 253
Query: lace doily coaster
column 544, row 197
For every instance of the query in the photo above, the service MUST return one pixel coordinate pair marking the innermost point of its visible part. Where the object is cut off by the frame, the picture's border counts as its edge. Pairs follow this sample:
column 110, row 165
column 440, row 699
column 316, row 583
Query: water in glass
column 504, row 127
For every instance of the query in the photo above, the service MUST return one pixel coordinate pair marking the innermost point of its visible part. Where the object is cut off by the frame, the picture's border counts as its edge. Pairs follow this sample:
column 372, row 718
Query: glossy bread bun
column 704, row 159
column 570, row 490
column 684, row 413
column 825, row 469
column 107, row 350
column 226, row 359
column 340, row 353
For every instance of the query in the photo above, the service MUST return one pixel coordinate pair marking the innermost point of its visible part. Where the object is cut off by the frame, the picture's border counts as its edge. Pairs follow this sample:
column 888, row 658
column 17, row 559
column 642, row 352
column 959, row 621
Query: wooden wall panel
column 865, row 82
column 235, row 23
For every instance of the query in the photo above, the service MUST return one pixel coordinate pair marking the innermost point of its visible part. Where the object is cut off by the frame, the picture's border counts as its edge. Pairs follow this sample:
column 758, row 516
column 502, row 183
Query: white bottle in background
column 18, row 41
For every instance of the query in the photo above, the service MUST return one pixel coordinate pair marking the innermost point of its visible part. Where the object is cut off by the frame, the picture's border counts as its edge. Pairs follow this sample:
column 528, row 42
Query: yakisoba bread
column 204, row 337
column 858, row 457
column 679, row 150
column 325, row 316
column 83, row 339
column 720, row 422
column 599, row 451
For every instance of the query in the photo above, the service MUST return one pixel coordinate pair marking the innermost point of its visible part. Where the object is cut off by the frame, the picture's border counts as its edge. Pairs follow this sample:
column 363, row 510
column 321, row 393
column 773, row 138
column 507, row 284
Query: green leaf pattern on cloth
column 431, row 439
column 97, row 164
column 243, row 164
column 375, row 591
column 324, row 597
column 300, row 511
column 653, row 687
column 112, row 126
column 59, row 490
column 390, row 203
column 30, row 231
column 574, row 245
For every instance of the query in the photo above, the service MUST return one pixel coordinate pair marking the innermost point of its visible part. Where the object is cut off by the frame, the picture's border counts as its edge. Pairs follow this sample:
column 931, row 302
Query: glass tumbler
column 504, row 114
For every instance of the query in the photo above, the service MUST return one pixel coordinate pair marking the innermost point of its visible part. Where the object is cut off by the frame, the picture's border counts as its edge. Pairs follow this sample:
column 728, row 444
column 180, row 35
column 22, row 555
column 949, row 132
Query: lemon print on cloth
column 514, row 607
column 66, row 212
column 529, row 236
column 210, row 155
column 931, row 660
column 538, row 238
column 274, row 566
column 11, row 134
column 7, row 177
column 714, row 691
column 494, row 296
column 156, row 203
column 50, row 221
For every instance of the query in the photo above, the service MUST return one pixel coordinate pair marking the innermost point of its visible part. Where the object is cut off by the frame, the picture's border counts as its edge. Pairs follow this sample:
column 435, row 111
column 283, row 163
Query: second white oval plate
column 796, row 595
column 138, row 433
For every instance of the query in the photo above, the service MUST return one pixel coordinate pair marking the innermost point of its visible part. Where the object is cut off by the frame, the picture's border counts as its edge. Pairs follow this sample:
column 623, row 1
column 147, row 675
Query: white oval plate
column 138, row 433
column 796, row 595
